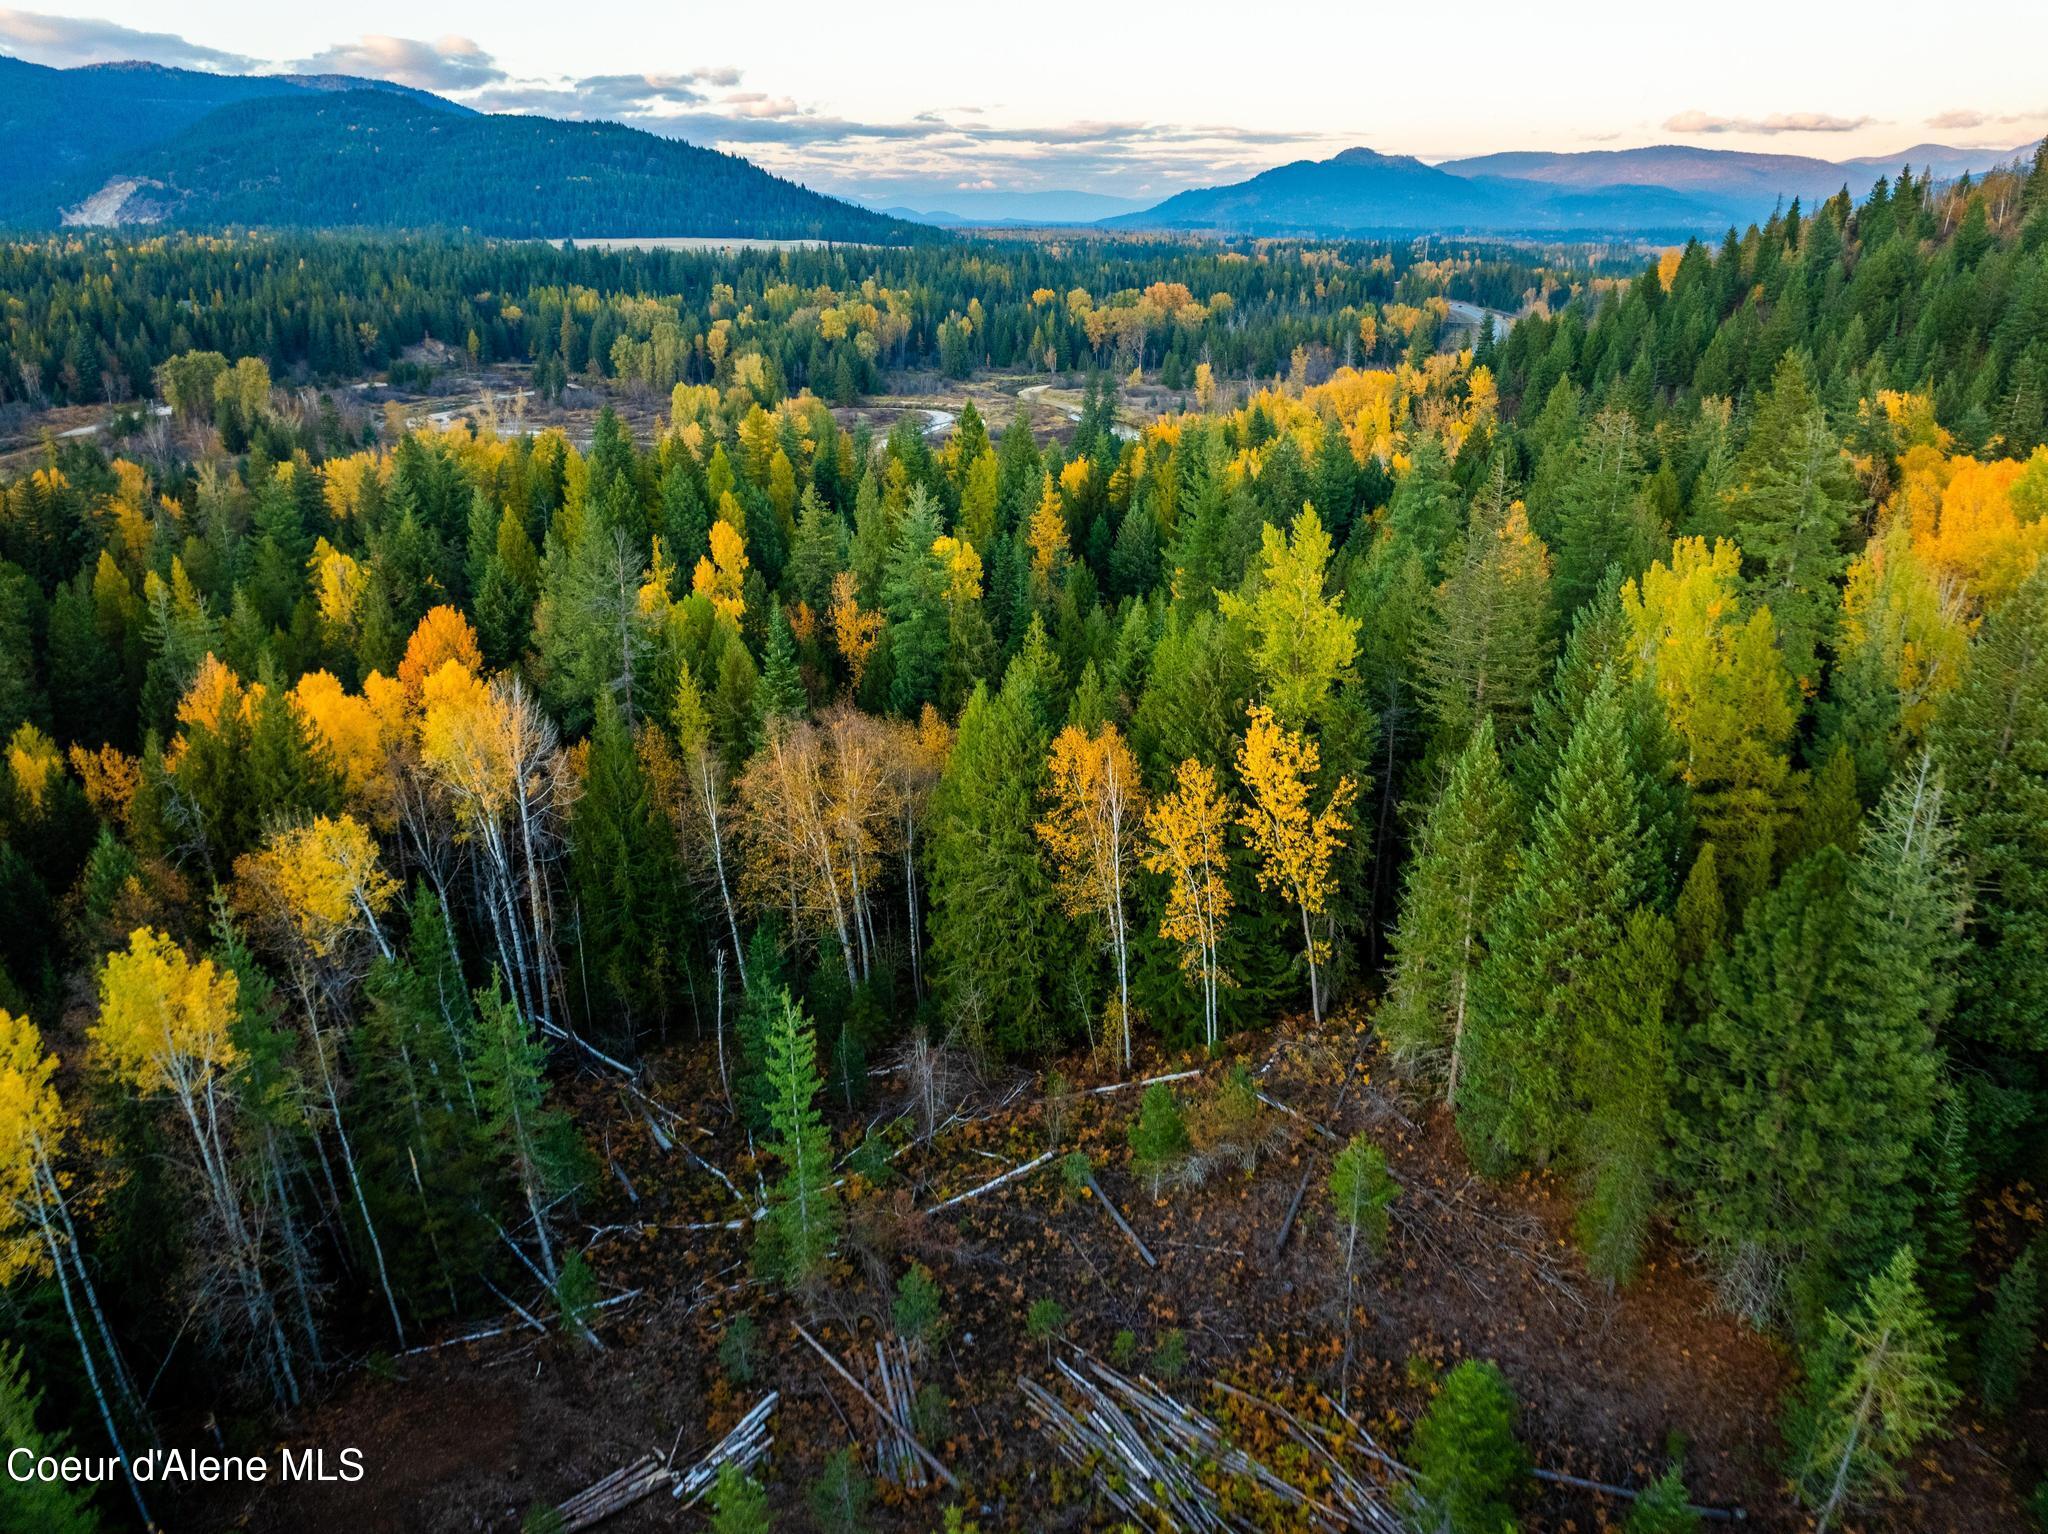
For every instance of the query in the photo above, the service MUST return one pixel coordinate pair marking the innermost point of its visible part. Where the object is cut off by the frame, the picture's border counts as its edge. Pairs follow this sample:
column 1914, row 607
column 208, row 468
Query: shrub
column 840, row 1495
column 1664, row 1508
column 919, row 1309
column 1046, row 1322
column 736, row 1349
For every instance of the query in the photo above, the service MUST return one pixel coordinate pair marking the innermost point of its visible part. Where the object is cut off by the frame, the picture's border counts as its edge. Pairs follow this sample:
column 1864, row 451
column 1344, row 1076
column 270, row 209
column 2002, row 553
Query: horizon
column 878, row 129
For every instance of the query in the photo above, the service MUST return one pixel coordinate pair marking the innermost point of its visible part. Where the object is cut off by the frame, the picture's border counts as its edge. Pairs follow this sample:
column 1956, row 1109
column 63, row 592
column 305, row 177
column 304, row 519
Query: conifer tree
column 48, row 1507
column 1470, row 1469
column 1462, row 866
column 1487, row 644
column 1875, row 1388
column 802, row 1222
column 2012, row 1332
column 1791, row 510
column 1549, row 980
column 1992, row 742
column 532, row 1141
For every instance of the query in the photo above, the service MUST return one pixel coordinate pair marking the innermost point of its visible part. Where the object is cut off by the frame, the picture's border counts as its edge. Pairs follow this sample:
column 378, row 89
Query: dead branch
column 995, row 1182
column 875, row 1406
column 1109, row 1208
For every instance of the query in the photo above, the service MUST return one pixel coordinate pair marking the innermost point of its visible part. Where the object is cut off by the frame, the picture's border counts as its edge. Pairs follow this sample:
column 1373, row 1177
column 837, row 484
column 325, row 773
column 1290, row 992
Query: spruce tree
column 802, row 1224
column 1463, row 864
column 1791, row 511
column 2012, row 1333
column 1992, row 742
column 1549, row 978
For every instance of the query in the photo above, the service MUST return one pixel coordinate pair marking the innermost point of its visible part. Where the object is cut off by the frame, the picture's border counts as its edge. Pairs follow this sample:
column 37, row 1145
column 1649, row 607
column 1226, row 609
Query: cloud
column 1777, row 122
column 448, row 63
column 644, row 100
column 759, row 104
column 64, row 41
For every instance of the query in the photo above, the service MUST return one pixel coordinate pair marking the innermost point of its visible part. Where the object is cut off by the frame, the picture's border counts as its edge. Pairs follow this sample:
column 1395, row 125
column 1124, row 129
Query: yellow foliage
column 722, row 575
column 443, row 635
column 1047, row 536
column 338, row 583
column 1185, row 836
column 33, row 765
column 110, row 778
column 856, row 633
column 1976, row 522
column 32, row 1127
column 323, row 878
column 164, row 1019
column 1294, row 844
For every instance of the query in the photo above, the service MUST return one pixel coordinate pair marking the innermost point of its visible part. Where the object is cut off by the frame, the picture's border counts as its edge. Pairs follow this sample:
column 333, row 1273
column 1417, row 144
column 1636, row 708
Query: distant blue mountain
column 1662, row 189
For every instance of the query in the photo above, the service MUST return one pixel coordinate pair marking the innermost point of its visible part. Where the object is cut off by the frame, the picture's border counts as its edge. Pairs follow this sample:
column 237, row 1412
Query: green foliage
column 576, row 1295
column 802, row 1225
column 1875, row 1389
column 2011, row 1339
column 1664, row 1508
column 1362, row 1191
column 739, row 1505
column 738, row 1348
column 840, row 1496
column 1158, row 1136
column 1123, row 1348
column 1170, row 1358
column 49, row 1507
column 919, row 1310
column 1046, row 1322
column 1470, row 1469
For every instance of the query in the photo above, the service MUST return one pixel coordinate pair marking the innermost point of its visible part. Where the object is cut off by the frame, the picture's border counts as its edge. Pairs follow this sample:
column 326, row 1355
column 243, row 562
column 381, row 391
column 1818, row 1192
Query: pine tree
column 1158, row 1135
column 802, row 1224
column 1462, row 866
column 1602, row 521
column 1625, row 1059
column 1875, row 1388
column 1663, row 1508
column 620, row 875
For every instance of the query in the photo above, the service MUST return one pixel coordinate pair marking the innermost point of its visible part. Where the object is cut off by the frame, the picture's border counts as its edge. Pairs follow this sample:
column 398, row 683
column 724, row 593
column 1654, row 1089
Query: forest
column 1569, row 797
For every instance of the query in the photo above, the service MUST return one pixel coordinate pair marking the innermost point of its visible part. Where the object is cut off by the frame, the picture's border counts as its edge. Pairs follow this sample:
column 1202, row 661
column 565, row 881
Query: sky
column 917, row 97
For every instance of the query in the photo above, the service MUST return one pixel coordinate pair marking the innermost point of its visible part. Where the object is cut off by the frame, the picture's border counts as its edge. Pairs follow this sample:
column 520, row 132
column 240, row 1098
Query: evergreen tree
column 48, row 1507
column 1462, row 866
column 1550, row 980
column 1992, row 742
column 1470, row 1469
column 1791, row 511
column 802, row 1224
column 2012, row 1333
column 1874, row 1389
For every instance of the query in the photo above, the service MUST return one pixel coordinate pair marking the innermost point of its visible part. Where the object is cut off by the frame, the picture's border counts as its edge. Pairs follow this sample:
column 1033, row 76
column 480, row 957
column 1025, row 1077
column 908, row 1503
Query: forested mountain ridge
column 1627, row 734
column 185, row 149
column 1652, row 191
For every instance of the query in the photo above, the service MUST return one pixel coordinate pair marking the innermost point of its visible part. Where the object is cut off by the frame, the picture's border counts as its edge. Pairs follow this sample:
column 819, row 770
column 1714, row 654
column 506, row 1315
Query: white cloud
column 448, row 63
column 1776, row 122
column 65, row 41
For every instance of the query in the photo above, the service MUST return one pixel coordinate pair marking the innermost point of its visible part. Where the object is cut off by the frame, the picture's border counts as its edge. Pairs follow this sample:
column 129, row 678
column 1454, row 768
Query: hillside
column 1663, row 188
column 124, row 145
column 1361, row 190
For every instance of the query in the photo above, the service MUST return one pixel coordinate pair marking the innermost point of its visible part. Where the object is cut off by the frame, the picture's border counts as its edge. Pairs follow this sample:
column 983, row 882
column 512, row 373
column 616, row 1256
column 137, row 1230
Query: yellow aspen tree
column 166, row 1026
column 33, row 769
column 705, row 772
column 1095, row 807
column 1294, row 844
column 33, row 1124
column 916, row 756
column 1185, row 841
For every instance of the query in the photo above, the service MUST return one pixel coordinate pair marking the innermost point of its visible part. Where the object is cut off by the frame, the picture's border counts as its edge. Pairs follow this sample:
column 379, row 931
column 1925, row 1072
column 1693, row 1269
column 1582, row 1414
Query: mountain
column 58, row 123
column 120, row 145
column 1751, row 181
column 1361, row 191
column 954, row 208
column 1657, row 190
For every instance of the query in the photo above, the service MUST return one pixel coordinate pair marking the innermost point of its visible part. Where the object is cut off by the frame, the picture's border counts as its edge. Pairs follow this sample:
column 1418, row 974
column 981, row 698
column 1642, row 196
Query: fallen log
column 993, row 1183
column 931, row 1460
column 1122, row 1224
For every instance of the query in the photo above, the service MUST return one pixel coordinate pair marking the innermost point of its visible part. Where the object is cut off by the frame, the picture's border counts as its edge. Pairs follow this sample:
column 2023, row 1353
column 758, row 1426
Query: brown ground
column 471, row 1436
